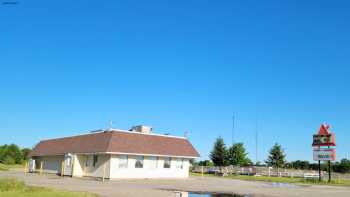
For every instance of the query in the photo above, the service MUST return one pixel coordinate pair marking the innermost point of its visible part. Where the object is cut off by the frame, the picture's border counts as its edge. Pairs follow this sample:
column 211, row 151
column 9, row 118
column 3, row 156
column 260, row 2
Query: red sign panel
column 324, row 137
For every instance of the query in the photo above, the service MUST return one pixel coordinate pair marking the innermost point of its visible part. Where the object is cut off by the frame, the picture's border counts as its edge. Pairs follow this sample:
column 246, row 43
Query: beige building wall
column 78, row 165
column 99, row 170
column 108, row 166
column 148, row 170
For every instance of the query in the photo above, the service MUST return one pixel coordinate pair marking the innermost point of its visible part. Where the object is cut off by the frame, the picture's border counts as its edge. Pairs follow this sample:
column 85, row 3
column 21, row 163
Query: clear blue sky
column 71, row 66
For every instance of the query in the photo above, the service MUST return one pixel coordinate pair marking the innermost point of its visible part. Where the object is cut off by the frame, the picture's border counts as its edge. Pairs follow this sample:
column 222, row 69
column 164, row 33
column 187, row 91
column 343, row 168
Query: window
column 123, row 161
column 153, row 162
column 95, row 158
column 68, row 161
column 139, row 162
column 89, row 160
column 179, row 163
column 167, row 162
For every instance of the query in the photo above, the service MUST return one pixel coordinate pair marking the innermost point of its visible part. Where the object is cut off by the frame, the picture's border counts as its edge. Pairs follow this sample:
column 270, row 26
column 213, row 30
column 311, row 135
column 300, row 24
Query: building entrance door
column 68, row 164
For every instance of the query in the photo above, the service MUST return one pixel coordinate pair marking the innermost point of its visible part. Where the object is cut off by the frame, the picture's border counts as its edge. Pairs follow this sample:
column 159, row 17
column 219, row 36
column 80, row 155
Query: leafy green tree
column 276, row 157
column 219, row 153
column 237, row 155
column 343, row 166
column 10, row 154
column 15, row 152
column 25, row 153
column 298, row 164
column 3, row 154
column 205, row 163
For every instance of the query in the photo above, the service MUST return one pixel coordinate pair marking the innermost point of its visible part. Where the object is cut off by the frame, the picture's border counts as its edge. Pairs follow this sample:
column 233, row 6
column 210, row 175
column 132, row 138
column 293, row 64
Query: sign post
column 320, row 140
column 319, row 171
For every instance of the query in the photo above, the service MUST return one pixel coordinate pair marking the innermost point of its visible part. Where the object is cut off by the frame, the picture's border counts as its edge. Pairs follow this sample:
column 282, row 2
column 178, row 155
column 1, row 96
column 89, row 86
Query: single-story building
column 115, row 153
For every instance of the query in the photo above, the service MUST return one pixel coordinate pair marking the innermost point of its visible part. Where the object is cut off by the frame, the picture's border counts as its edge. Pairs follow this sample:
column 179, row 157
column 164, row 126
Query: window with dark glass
column 139, row 162
column 95, row 160
column 167, row 162
column 89, row 161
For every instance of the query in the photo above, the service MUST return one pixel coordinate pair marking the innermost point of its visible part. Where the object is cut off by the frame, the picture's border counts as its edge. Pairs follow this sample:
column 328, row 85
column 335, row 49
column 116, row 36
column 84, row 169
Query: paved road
column 164, row 188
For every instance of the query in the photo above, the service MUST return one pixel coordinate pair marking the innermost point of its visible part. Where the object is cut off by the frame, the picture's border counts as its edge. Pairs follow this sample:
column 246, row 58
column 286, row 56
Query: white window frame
column 153, row 162
column 124, row 158
column 179, row 163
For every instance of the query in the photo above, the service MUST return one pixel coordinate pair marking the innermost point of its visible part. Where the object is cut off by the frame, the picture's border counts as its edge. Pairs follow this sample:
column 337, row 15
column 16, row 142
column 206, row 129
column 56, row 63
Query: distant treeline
column 342, row 167
column 12, row 154
column 236, row 155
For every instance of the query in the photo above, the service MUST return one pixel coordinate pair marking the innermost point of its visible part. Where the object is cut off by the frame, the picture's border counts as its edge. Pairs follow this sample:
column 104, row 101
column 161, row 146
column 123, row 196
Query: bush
column 12, row 154
column 9, row 160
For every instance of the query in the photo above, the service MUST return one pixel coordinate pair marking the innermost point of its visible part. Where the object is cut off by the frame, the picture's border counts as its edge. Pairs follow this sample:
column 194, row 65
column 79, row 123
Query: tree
column 15, row 152
column 343, row 166
column 25, row 153
column 205, row 163
column 237, row 155
column 302, row 165
column 276, row 157
column 10, row 154
column 219, row 153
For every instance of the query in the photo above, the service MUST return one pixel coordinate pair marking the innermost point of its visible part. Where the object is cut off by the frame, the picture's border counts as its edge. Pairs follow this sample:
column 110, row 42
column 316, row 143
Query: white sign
column 326, row 154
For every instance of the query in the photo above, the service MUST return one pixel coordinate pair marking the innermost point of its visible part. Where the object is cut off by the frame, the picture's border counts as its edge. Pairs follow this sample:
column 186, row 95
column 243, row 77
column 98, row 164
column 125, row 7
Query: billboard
column 324, row 154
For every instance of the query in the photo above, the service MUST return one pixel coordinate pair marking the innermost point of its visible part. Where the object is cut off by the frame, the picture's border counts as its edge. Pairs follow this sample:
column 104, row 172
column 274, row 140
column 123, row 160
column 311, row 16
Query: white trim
column 155, row 155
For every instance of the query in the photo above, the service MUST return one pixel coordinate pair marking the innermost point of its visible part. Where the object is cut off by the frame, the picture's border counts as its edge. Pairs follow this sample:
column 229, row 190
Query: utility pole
column 256, row 141
column 233, row 129
column 329, row 170
column 319, row 171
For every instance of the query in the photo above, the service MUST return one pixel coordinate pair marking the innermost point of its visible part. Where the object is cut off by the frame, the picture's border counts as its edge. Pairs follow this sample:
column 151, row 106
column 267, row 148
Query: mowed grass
column 15, row 188
column 4, row 167
column 340, row 182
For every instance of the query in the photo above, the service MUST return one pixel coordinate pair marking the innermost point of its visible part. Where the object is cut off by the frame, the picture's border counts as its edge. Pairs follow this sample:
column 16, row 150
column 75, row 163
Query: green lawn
column 15, row 188
column 281, row 179
column 4, row 167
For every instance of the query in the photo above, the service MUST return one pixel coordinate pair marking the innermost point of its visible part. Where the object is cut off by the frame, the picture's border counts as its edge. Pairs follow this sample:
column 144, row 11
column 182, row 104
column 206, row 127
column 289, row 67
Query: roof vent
column 142, row 129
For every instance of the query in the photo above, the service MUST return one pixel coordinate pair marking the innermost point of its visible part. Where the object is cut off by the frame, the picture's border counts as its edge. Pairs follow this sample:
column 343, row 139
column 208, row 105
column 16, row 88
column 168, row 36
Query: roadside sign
column 324, row 154
column 326, row 139
column 323, row 140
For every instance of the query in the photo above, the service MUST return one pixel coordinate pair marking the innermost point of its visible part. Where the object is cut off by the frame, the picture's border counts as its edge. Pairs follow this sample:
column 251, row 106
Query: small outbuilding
column 115, row 153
